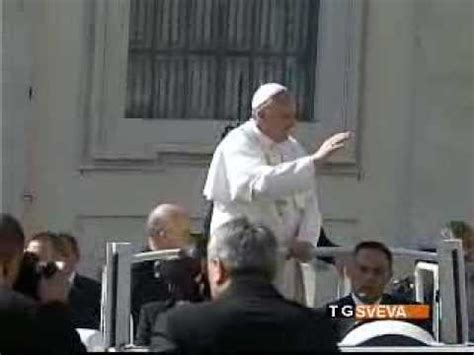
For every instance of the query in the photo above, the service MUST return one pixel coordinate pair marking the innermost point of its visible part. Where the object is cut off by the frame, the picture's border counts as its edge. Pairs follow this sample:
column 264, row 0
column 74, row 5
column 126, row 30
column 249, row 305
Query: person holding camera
column 26, row 324
column 41, row 244
column 38, row 261
column 85, row 293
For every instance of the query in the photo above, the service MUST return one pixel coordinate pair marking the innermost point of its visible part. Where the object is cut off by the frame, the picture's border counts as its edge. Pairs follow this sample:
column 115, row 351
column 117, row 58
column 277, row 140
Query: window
column 203, row 59
column 167, row 75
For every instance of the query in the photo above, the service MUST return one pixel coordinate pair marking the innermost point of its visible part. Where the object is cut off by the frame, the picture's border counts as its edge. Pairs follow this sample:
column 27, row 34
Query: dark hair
column 12, row 236
column 375, row 246
column 66, row 238
column 43, row 236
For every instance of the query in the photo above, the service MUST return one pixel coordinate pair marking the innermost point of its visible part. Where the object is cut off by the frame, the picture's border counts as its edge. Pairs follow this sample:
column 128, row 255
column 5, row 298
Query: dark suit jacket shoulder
column 145, row 287
column 249, row 316
column 148, row 314
column 90, row 285
column 17, row 312
column 32, row 327
column 84, row 300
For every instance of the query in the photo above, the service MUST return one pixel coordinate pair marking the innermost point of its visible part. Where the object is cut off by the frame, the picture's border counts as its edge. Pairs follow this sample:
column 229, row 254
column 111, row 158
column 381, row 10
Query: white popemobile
column 446, row 267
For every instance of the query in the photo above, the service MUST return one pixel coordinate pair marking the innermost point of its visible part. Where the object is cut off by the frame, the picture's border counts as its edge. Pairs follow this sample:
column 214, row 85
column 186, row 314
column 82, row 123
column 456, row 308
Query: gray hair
column 245, row 248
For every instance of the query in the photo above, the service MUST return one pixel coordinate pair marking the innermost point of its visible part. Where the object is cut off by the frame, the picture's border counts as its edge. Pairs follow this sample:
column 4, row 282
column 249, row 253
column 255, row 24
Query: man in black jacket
column 181, row 276
column 370, row 272
column 247, row 313
column 168, row 227
column 85, row 293
column 27, row 325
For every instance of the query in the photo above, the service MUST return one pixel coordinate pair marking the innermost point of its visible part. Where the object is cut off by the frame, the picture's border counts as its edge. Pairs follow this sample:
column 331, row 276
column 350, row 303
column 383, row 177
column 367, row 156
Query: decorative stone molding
column 115, row 143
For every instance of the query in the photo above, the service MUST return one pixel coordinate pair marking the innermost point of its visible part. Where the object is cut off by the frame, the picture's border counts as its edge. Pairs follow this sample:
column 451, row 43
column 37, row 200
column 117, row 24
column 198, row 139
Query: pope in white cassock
column 260, row 171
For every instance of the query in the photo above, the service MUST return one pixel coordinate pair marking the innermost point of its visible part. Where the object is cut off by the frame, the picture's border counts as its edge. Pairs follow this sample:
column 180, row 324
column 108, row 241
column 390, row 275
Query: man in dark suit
column 26, row 325
column 168, row 227
column 247, row 313
column 85, row 293
column 148, row 314
column 370, row 271
column 181, row 277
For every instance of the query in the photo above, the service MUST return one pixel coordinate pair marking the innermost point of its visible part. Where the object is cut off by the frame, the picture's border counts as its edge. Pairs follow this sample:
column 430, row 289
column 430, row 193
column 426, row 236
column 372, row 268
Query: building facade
column 78, row 155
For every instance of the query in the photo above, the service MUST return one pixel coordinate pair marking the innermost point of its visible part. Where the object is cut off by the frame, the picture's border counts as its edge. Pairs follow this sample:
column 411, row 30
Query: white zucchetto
column 266, row 92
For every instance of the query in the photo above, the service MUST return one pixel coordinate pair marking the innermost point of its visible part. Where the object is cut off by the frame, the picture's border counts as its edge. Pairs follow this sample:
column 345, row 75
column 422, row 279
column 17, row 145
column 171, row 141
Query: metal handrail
column 334, row 251
column 155, row 255
column 120, row 257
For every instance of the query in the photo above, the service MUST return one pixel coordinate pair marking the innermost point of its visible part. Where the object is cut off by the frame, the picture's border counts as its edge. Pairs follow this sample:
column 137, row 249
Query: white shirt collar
column 358, row 301
column 72, row 277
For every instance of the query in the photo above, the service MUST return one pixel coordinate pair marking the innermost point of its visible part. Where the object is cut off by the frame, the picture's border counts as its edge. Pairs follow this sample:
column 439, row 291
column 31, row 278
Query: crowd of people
column 240, row 288
column 213, row 299
column 36, row 317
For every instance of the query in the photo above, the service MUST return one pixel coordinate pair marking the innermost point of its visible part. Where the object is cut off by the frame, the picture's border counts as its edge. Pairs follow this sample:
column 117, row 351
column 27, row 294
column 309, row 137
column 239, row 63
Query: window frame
column 231, row 90
column 114, row 142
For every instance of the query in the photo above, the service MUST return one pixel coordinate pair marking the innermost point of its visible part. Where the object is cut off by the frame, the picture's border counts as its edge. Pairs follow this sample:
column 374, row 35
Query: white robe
column 274, row 184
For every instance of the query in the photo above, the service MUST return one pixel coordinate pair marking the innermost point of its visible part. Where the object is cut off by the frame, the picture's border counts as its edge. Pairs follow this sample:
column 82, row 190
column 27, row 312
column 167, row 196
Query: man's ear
column 9, row 270
column 262, row 113
column 157, row 239
column 349, row 266
column 223, row 273
column 389, row 277
column 218, row 272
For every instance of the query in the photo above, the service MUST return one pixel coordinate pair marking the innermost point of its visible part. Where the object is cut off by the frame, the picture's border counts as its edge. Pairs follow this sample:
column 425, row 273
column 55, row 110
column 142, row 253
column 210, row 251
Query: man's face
column 42, row 248
column 278, row 119
column 369, row 274
column 176, row 235
column 179, row 230
column 70, row 260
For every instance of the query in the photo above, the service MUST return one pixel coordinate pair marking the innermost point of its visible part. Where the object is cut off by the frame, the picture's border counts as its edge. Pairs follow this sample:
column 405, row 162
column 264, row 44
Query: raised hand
column 331, row 145
column 55, row 288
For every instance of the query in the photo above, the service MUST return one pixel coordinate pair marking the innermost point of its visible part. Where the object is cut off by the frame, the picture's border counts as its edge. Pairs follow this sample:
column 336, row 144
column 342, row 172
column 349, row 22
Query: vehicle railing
column 115, row 319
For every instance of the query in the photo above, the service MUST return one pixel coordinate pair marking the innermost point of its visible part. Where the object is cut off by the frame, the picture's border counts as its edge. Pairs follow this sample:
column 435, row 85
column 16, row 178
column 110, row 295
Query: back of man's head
column 12, row 241
column 66, row 244
column 241, row 248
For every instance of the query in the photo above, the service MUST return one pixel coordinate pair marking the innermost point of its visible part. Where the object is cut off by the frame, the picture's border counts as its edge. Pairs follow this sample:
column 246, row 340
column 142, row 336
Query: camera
column 32, row 270
column 184, row 275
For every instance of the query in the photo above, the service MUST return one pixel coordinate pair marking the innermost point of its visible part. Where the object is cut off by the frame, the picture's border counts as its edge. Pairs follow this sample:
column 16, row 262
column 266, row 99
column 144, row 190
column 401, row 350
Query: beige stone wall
column 15, row 103
column 418, row 128
column 416, row 118
column 443, row 152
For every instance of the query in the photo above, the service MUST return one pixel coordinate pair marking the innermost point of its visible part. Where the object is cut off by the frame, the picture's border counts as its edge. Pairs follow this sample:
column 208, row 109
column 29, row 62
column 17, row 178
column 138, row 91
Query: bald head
column 168, row 227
